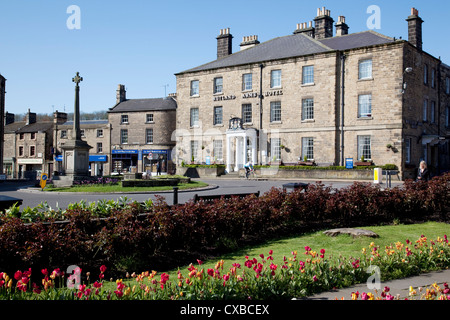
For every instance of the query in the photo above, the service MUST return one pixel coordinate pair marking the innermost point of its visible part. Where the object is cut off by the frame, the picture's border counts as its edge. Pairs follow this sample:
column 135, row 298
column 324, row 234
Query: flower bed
column 160, row 236
column 302, row 274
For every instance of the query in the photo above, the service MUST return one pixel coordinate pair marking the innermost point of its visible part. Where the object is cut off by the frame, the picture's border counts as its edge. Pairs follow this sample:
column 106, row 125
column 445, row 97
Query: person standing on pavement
column 423, row 174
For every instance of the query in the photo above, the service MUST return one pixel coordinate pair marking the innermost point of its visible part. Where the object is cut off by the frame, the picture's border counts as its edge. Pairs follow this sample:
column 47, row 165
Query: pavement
column 398, row 287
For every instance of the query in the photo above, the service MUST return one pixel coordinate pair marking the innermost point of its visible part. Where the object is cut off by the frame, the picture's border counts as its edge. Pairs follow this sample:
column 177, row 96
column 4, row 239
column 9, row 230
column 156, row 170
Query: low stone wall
column 200, row 172
column 315, row 174
column 150, row 183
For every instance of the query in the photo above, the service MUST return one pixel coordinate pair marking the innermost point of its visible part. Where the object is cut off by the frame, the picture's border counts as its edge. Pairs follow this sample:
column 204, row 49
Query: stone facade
column 29, row 146
column 360, row 106
column 97, row 135
column 141, row 134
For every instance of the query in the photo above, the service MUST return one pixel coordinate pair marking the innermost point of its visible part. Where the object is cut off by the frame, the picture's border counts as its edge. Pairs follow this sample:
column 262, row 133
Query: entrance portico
column 245, row 146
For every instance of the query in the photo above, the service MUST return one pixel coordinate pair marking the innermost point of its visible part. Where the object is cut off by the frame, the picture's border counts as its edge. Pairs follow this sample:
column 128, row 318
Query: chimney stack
column 323, row 24
column 415, row 29
column 120, row 94
column 248, row 42
column 9, row 118
column 305, row 28
column 59, row 117
column 341, row 26
column 30, row 117
column 224, row 43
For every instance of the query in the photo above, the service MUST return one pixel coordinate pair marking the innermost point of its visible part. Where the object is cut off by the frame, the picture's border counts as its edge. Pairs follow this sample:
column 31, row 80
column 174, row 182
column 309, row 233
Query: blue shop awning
column 98, row 158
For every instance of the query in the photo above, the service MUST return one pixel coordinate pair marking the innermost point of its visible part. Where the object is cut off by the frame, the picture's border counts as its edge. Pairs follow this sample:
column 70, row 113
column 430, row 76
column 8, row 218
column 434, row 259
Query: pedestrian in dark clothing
column 423, row 174
column 158, row 169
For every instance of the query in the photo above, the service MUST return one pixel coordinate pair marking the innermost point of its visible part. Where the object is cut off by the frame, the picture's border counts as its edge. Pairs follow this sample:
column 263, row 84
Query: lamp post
column 407, row 70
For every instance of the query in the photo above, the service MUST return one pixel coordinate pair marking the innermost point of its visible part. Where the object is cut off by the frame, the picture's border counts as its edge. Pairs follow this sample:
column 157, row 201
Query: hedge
column 136, row 237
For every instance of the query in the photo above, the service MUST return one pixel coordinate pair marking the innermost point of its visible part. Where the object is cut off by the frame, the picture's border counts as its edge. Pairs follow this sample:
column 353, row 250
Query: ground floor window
column 308, row 148
column 364, row 147
column 194, row 150
column 275, row 149
column 217, row 150
column 408, row 150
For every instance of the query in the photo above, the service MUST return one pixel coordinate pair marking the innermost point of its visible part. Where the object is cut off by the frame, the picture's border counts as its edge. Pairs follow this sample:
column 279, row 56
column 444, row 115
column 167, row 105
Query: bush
column 156, row 234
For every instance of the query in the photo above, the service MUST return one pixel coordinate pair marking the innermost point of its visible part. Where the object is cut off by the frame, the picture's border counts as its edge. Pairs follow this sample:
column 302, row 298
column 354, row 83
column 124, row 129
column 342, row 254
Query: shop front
column 124, row 161
column 157, row 158
column 97, row 164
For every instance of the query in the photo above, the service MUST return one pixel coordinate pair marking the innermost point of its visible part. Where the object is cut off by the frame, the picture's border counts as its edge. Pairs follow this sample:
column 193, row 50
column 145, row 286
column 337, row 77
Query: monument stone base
column 76, row 163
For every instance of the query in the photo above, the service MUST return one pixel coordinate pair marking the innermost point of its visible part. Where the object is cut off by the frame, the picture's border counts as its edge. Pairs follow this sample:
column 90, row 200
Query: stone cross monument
column 75, row 150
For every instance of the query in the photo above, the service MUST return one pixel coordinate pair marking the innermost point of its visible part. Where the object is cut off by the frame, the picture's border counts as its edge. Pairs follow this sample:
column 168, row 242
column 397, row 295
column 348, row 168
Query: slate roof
column 36, row 127
column 295, row 45
column 153, row 104
column 356, row 40
column 86, row 123
column 13, row 127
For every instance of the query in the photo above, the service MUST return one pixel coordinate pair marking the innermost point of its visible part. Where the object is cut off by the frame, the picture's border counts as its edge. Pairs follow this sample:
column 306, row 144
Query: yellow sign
column 44, row 178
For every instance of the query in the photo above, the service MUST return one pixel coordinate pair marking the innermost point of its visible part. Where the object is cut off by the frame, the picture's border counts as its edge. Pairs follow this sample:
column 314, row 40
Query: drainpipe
column 261, row 97
column 438, row 76
column 342, row 56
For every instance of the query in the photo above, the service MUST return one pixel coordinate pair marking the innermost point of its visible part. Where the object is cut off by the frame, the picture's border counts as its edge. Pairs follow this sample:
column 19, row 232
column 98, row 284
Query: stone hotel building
column 321, row 94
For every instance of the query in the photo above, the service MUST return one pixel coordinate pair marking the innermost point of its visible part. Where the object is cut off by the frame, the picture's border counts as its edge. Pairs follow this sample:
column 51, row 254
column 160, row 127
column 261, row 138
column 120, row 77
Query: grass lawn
column 342, row 245
column 119, row 188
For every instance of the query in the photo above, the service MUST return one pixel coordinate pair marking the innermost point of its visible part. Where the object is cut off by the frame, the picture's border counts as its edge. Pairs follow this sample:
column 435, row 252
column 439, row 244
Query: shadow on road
column 15, row 185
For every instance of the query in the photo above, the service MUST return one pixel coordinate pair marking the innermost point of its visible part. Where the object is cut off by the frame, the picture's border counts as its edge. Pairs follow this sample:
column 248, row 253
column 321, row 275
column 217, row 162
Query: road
column 33, row 196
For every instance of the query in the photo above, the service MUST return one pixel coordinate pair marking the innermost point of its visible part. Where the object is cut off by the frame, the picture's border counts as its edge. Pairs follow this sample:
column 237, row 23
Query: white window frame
column 99, row 147
column 308, row 109
column 275, row 149
column 218, row 150
column 194, row 149
column 194, row 117
column 364, row 143
column 218, row 85
column 149, row 118
column 247, row 113
column 123, row 136
column 195, row 88
column 308, row 74
column 149, row 136
column 99, row 133
column 364, row 105
column 124, row 119
column 275, row 78
column 365, row 69
column 275, row 111
column 218, row 116
column 308, row 148
column 247, row 82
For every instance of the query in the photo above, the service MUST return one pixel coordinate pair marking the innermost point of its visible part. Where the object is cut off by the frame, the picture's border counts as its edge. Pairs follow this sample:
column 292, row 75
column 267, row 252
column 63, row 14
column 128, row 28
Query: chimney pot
column 120, row 94
column 415, row 29
column 323, row 24
column 224, row 43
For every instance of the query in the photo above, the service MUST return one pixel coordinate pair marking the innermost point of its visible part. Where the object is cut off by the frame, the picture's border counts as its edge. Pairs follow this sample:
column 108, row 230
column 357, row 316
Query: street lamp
column 407, row 70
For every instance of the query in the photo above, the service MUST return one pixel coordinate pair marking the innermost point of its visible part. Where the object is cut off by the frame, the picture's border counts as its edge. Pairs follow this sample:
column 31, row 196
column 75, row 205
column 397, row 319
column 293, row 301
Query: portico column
column 254, row 155
column 228, row 153
column 237, row 154
column 244, row 160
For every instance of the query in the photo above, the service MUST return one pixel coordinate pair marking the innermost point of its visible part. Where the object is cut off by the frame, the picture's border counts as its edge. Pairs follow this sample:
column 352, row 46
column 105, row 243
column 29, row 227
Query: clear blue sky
column 142, row 44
